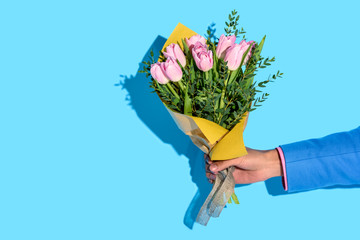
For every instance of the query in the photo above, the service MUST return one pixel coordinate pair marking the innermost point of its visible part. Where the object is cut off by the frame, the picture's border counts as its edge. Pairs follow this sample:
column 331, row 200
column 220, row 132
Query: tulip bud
column 224, row 44
column 203, row 59
column 199, row 47
column 172, row 69
column 158, row 74
column 194, row 39
column 174, row 51
column 235, row 53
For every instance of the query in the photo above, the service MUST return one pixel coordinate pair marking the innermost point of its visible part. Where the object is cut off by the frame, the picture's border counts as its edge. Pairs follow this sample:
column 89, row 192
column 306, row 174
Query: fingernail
column 213, row 168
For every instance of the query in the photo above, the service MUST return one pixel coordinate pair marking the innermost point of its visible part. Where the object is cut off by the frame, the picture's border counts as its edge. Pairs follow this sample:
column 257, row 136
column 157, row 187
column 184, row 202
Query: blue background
column 86, row 152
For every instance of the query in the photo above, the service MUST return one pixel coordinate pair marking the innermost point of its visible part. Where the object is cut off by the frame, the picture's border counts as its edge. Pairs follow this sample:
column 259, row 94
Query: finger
column 221, row 165
column 210, row 176
column 207, row 159
column 207, row 168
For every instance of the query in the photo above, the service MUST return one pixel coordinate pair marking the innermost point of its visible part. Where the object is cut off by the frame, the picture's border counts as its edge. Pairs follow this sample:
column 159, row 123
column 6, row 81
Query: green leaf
column 186, row 48
column 259, row 48
column 233, row 75
column 235, row 199
column 249, row 76
column 176, row 101
column 187, row 105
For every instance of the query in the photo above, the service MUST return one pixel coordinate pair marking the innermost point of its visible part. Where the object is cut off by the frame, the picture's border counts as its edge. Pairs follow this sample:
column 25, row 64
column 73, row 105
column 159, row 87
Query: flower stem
column 172, row 90
column 181, row 85
column 206, row 75
column 223, row 91
column 187, row 99
column 222, row 103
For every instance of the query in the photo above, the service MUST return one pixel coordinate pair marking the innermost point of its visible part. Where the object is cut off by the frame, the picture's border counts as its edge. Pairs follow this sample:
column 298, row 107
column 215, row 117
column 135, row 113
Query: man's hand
column 256, row 166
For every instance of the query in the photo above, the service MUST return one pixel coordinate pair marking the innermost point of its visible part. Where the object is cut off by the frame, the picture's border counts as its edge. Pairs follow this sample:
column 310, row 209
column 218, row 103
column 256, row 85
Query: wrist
column 274, row 163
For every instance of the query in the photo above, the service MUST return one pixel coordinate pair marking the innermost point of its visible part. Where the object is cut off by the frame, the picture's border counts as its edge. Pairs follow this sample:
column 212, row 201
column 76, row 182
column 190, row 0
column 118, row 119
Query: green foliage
column 231, row 25
column 262, row 84
column 219, row 95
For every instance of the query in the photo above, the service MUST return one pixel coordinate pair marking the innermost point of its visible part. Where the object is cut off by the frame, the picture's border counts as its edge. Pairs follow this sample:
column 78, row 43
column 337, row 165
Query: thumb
column 221, row 165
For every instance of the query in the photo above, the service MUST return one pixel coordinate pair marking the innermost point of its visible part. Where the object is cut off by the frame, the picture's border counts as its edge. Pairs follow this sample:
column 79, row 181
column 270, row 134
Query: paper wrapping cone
column 213, row 139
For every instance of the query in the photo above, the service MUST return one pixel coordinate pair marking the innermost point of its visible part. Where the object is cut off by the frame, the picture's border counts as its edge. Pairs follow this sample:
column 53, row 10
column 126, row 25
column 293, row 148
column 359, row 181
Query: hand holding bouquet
column 208, row 87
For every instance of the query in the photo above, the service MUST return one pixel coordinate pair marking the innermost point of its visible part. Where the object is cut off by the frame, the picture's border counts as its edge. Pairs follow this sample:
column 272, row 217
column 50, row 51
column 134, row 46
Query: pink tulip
column 235, row 53
column 247, row 45
column 203, row 59
column 194, row 39
column 174, row 51
column 158, row 74
column 199, row 47
column 172, row 69
column 224, row 44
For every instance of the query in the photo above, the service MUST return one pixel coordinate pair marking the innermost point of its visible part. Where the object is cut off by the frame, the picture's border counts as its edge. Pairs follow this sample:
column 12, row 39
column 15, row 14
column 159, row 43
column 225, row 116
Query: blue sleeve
column 328, row 161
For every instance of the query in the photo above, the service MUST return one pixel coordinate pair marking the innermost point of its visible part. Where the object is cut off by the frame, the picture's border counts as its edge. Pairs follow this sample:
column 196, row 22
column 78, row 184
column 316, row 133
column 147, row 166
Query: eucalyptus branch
column 231, row 28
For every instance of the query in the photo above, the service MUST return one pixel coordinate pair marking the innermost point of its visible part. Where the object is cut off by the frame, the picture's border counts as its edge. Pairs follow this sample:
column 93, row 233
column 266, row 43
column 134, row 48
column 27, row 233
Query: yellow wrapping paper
column 211, row 138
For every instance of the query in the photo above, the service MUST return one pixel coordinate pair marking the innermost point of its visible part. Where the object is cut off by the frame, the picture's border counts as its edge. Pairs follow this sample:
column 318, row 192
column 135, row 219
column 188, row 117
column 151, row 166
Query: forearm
column 328, row 161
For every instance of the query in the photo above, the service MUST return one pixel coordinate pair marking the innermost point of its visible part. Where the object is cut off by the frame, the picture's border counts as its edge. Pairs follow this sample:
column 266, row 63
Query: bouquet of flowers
column 207, row 85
